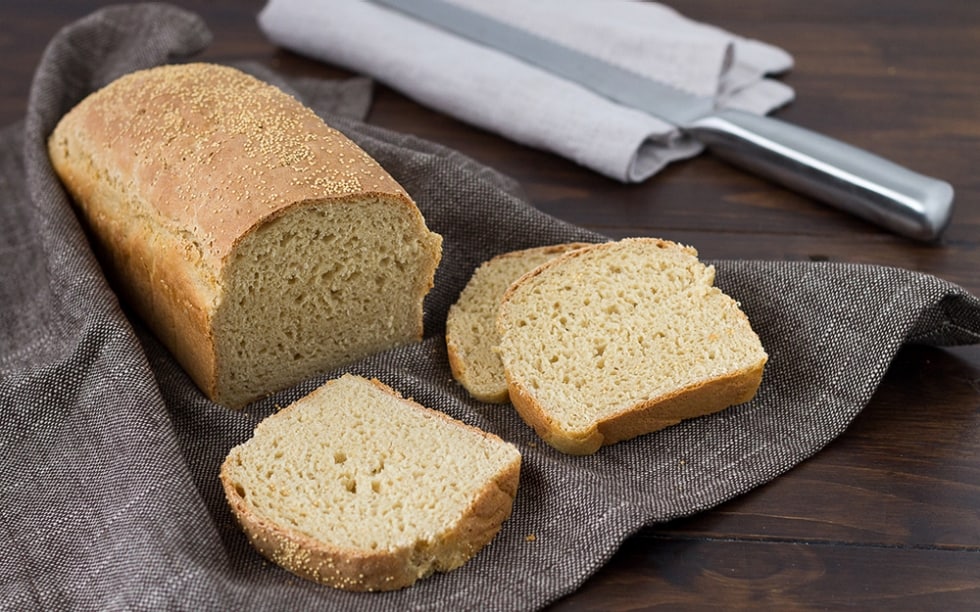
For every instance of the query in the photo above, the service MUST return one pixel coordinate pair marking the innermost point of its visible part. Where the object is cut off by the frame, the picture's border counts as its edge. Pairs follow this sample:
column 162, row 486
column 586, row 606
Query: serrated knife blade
column 849, row 178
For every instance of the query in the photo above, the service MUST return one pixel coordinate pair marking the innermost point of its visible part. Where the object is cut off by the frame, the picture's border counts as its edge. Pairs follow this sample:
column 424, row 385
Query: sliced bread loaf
column 471, row 326
column 259, row 244
column 620, row 339
column 357, row 488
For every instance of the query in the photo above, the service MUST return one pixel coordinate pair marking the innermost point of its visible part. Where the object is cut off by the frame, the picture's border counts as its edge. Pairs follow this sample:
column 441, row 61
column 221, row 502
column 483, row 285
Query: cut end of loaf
column 258, row 243
column 622, row 339
column 357, row 488
column 320, row 286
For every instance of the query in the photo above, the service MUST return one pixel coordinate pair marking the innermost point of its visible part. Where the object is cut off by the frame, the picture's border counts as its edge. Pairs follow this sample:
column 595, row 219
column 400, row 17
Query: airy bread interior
column 471, row 330
column 360, row 489
column 615, row 340
column 321, row 285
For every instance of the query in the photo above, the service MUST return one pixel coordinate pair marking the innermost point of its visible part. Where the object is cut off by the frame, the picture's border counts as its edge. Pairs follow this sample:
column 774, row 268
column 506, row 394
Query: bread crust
column 358, row 570
column 173, row 167
column 213, row 151
column 380, row 570
column 456, row 348
column 642, row 417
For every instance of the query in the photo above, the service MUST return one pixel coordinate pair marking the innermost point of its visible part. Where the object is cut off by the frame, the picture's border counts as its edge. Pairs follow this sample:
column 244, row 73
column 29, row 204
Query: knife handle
column 836, row 173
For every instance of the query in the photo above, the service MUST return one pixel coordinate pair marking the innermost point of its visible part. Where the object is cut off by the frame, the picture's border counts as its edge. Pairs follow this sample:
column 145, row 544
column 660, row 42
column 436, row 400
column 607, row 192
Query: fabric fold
column 109, row 490
column 502, row 94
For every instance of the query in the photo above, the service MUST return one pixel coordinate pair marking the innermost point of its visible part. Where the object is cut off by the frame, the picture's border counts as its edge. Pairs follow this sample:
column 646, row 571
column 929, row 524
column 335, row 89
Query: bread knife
column 836, row 173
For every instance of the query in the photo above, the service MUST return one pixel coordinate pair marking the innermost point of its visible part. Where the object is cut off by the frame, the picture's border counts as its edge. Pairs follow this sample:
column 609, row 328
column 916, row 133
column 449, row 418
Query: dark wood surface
column 888, row 515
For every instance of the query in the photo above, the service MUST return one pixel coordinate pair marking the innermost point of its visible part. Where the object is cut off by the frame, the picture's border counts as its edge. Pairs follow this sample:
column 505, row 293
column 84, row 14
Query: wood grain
column 887, row 515
column 673, row 572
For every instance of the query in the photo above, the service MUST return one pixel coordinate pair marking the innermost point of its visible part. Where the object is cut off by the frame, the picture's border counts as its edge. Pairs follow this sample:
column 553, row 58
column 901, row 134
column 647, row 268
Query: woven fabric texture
column 109, row 491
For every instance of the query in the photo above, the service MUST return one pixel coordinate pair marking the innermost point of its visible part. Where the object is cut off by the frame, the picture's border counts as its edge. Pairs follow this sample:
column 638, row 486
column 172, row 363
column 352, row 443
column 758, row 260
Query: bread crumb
column 620, row 339
column 471, row 336
column 531, row 537
column 308, row 472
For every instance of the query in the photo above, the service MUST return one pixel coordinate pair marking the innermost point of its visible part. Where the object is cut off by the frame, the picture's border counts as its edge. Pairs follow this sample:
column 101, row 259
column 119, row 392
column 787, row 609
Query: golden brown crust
column 215, row 151
column 380, row 570
column 705, row 397
column 643, row 418
column 174, row 166
column 358, row 570
column 152, row 271
column 352, row 570
column 457, row 351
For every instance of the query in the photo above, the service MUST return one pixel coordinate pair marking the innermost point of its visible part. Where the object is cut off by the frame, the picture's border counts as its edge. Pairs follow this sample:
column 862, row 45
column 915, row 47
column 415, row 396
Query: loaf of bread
column 357, row 488
column 616, row 340
column 260, row 245
column 471, row 330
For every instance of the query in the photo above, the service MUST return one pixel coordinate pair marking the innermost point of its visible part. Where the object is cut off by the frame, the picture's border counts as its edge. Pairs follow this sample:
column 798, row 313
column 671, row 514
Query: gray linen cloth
column 530, row 105
column 109, row 492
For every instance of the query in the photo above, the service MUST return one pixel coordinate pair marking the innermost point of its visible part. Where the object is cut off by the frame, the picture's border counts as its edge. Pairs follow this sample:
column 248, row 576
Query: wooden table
column 888, row 515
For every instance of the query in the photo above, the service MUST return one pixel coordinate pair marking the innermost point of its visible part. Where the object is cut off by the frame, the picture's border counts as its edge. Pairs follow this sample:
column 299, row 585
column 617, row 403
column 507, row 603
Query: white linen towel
column 527, row 104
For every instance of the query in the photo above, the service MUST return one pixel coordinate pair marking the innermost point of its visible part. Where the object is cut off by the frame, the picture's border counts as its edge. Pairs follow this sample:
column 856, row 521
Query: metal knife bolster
column 836, row 173
column 852, row 179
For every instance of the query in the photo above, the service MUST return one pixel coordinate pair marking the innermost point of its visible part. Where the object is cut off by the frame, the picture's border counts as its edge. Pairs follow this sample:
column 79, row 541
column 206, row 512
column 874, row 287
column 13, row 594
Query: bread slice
column 621, row 339
column 471, row 326
column 259, row 244
column 357, row 488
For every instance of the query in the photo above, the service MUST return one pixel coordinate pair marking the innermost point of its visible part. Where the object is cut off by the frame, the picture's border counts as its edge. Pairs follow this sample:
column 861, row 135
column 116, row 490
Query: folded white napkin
column 497, row 92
